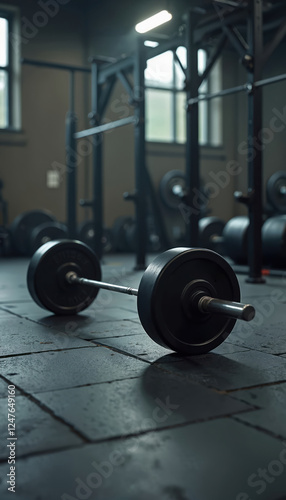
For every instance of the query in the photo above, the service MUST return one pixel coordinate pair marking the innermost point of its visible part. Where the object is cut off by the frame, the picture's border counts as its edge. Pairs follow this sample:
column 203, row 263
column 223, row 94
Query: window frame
column 175, row 90
column 8, row 69
column 13, row 70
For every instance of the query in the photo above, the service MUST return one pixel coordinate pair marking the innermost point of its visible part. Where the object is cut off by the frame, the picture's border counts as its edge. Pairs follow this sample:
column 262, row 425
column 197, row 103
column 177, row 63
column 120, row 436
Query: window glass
column 3, row 99
column 181, row 117
column 3, row 41
column 159, row 70
column 159, row 115
column 166, row 111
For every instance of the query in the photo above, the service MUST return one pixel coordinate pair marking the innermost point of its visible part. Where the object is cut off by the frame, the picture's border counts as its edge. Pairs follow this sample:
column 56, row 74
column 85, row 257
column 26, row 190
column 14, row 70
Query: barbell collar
column 236, row 310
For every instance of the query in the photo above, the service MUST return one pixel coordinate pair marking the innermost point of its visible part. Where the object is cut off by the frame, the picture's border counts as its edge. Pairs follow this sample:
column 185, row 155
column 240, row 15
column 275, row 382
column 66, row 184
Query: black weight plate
column 5, row 242
column 153, row 238
column 160, row 304
column 23, row 225
column 107, row 240
column 129, row 228
column 170, row 182
column 86, row 234
column 235, row 235
column 274, row 241
column 209, row 229
column 276, row 191
column 120, row 226
column 48, row 231
column 125, row 235
column 46, row 276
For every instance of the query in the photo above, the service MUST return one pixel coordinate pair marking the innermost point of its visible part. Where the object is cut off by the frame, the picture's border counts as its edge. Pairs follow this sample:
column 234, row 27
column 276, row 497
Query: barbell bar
column 105, row 127
column 247, row 87
column 188, row 299
column 204, row 304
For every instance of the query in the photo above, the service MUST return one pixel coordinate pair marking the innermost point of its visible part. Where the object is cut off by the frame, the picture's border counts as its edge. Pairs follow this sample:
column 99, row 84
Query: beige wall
column 27, row 156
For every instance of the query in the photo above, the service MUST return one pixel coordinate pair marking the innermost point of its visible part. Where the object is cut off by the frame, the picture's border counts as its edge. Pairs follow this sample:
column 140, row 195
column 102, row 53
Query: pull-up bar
column 247, row 87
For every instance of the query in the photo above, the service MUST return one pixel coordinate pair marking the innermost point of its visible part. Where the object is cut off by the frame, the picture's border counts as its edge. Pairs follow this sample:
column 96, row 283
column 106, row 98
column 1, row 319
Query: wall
column 28, row 155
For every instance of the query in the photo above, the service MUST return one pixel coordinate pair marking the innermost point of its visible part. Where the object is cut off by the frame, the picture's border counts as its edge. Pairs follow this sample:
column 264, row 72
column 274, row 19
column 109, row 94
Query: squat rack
column 104, row 74
column 253, row 57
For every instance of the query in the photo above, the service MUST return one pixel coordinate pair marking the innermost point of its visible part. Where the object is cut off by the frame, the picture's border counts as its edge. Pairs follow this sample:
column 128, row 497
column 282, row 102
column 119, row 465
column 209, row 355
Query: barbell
column 188, row 299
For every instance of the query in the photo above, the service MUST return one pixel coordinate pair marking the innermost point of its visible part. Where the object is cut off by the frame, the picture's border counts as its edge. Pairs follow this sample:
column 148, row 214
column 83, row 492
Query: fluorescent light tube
column 150, row 43
column 152, row 22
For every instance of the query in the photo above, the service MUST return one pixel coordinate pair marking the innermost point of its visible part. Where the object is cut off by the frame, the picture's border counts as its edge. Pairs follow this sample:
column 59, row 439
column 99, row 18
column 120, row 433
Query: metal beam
column 192, row 138
column 213, row 57
column 97, row 161
column 213, row 24
column 107, row 70
column 105, row 94
column 231, row 34
column 65, row 67
column 254, row 157
column 140, row 155
column 71, row 174
column 178, row 60
column 125, row 82
column 170, row 44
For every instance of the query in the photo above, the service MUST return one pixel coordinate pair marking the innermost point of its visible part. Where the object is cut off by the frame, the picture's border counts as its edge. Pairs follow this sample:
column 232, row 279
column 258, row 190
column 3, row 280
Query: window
column 166, row 100
column 9, row 69
column 4, row 73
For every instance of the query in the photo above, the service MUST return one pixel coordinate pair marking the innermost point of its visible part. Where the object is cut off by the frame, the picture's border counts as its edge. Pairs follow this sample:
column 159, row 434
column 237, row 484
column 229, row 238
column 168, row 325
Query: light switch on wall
column 53, row 179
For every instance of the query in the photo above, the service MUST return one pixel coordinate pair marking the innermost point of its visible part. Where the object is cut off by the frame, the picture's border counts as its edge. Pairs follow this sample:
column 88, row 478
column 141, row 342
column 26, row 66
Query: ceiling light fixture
column 152, row 22
column 151, row 43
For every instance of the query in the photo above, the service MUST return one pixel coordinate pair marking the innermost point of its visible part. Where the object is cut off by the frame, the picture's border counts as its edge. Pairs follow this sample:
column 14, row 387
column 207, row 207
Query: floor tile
column 272, row 401
column 71, row 368
column 3, row 389
column 142, row 346
column 19, row 336
column 217, row 460
column 84, row 325
column 35, row 430
column 155, row 400
column 266, row 332
column 230, row 371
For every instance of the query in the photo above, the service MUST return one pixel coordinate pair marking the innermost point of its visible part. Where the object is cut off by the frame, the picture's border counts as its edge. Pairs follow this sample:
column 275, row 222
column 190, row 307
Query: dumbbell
column 188, row 299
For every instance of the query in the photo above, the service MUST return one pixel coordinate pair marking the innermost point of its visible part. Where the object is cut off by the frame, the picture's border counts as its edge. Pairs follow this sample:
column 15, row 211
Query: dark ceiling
column 118, row 17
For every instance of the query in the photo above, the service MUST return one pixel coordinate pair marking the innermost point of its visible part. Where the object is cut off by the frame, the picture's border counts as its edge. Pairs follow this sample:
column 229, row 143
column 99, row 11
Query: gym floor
column 102, row 412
